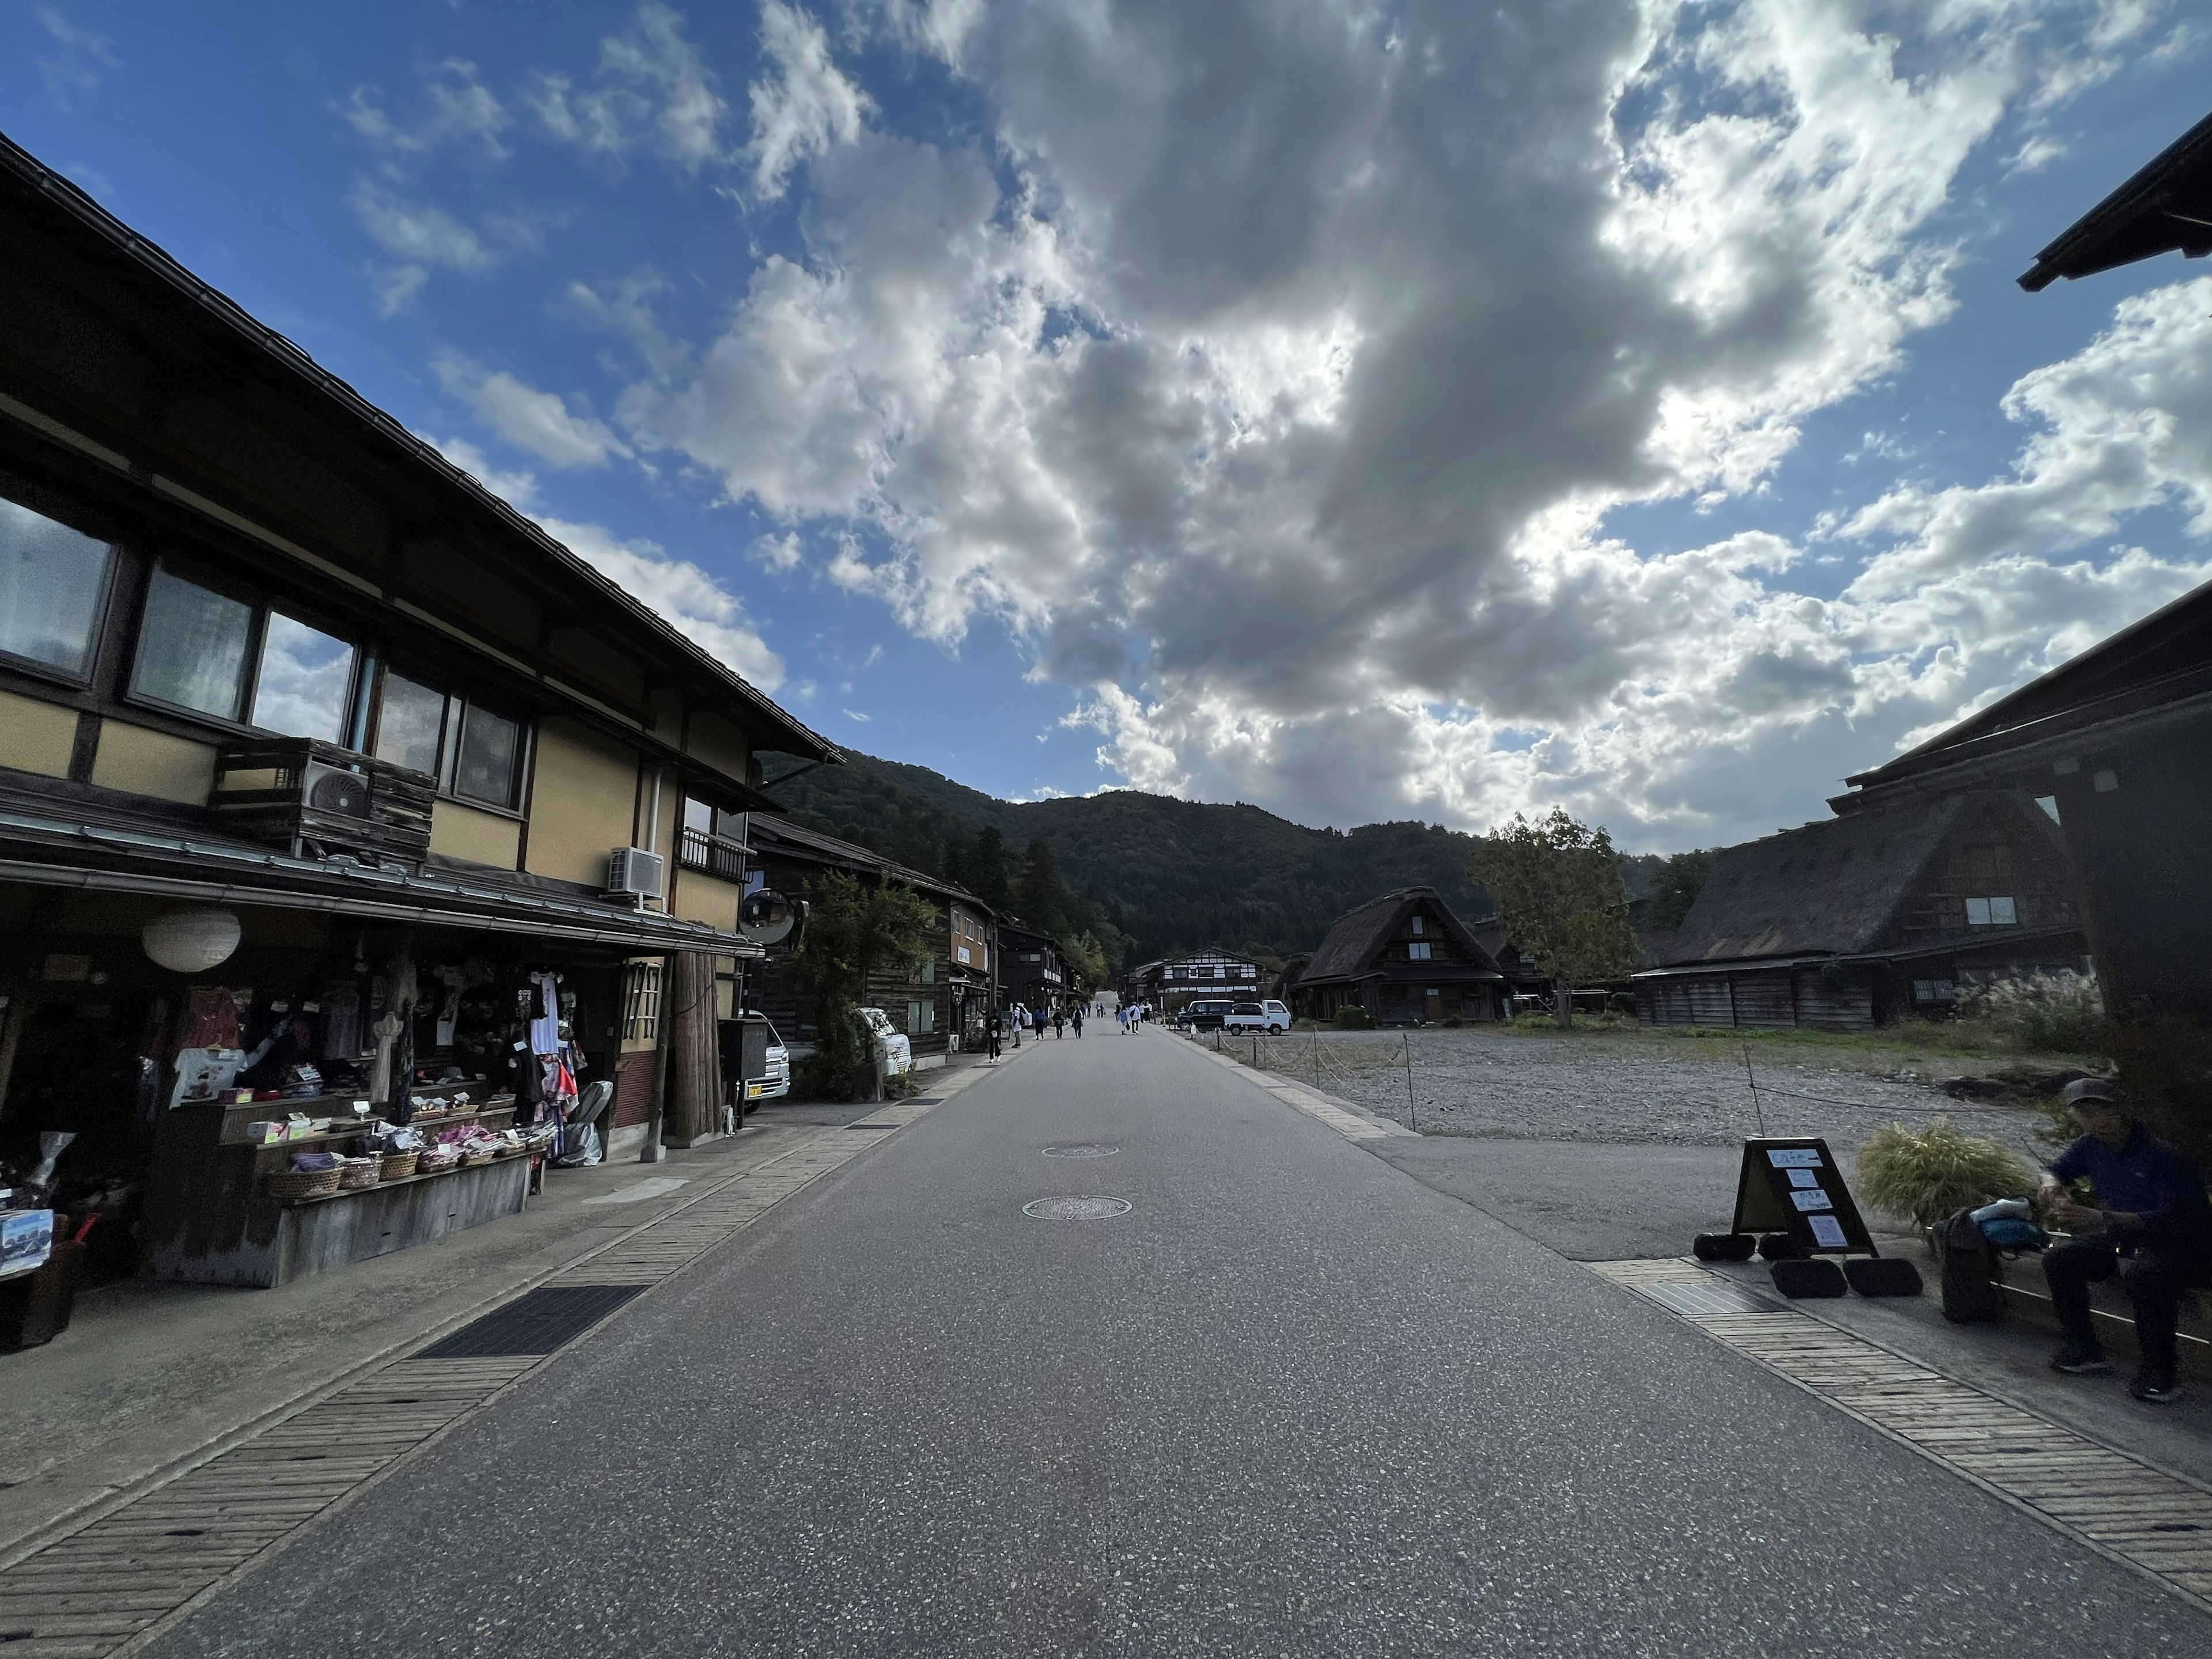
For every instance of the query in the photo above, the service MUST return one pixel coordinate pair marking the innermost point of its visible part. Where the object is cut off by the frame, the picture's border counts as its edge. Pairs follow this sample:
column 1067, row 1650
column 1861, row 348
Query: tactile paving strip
column 2148, row 1518
column 105, row 1588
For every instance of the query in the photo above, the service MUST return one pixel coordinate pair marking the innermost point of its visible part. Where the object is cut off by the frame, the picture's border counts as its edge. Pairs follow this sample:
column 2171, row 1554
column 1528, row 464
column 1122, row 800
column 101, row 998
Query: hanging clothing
column 545, row 1029
column 210, row 1019
column 342, row 1021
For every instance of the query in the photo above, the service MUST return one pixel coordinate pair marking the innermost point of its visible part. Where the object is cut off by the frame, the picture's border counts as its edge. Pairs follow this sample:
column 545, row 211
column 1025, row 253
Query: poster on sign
column 1794, row 1186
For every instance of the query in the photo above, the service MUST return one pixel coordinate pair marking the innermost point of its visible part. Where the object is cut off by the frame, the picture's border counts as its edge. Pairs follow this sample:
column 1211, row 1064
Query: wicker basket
column 397, row 1166
column 290, row 1186
column 470, row 1160
column 356, row 1173
column 436, row 1160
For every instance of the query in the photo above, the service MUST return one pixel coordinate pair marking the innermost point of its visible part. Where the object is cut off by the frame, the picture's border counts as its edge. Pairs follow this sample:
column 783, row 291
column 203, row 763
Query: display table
column 209, row 1218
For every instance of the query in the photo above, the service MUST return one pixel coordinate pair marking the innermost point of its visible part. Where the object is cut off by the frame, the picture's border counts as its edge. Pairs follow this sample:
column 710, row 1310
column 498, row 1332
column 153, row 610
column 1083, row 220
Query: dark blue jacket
column 2149, row 1177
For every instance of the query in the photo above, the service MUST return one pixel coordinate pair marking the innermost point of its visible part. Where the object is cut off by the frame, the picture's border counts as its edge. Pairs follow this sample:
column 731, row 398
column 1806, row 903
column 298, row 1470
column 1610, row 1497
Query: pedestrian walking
column 1059, row 1022
column 1075, row 1018
column 991, row 1035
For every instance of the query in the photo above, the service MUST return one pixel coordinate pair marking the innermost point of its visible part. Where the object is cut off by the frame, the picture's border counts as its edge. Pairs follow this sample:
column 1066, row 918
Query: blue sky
column 1371, row 412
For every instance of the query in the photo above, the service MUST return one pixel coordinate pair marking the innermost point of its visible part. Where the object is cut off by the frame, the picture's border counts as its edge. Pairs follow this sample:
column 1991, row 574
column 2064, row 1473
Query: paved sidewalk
column 150, row 1377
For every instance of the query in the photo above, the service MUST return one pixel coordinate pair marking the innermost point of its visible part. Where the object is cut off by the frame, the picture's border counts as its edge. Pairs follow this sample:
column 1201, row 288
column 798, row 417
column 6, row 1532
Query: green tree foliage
column 1559, row 889
column 1147, row 875
column 1040, row 897
column 987, row 868
column 1674, row 887
column 855, row 926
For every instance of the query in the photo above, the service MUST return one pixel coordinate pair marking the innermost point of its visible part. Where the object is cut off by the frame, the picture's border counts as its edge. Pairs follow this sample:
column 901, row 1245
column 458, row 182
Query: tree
column 1559, row 891
column 987, row 869
column 854, row 928
column 1675, row 888
column 1041, row 898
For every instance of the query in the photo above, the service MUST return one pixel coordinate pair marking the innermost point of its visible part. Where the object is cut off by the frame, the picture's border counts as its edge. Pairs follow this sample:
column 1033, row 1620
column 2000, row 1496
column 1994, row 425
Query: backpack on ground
column 1971, row 1273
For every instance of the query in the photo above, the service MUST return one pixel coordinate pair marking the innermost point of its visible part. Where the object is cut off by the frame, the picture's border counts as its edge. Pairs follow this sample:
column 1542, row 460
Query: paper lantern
column 192, row 941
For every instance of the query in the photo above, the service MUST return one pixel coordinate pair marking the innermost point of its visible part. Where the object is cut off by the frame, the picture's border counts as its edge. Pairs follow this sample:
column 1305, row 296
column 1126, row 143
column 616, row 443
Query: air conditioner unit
column 633, row 873
column 334, row 789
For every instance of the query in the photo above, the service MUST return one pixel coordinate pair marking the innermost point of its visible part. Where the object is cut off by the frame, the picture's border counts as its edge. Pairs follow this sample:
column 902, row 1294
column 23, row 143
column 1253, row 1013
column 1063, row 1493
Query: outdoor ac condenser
column 633, row 873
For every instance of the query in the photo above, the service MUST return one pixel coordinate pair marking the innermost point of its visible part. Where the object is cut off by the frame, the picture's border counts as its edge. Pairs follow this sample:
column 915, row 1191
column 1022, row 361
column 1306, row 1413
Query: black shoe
column 2080, row 1362
column 2158, row 1387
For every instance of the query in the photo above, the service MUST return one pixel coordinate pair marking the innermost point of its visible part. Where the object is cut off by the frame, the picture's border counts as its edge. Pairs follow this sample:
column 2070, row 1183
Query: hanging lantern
column 192, row 941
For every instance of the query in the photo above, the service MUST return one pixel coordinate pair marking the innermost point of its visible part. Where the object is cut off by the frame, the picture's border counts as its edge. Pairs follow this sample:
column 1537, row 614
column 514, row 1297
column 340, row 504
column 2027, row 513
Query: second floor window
column 1417, row 952
column 475, row 753
column 207, row 651
column 1991, row 913
column 54, row 582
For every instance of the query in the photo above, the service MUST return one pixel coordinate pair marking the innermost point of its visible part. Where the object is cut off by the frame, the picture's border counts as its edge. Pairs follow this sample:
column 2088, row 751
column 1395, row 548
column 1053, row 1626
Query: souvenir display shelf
column 209, row 1218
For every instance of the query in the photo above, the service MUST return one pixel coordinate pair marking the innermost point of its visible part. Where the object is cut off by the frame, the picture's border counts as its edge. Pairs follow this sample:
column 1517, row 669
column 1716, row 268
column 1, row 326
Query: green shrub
column 1926, row 1175
column 1353, row 1018
column 2061, row 1012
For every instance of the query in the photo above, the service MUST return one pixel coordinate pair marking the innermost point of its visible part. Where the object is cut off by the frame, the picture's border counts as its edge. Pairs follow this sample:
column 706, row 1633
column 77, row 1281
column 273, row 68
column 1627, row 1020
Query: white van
column 1270, row 1016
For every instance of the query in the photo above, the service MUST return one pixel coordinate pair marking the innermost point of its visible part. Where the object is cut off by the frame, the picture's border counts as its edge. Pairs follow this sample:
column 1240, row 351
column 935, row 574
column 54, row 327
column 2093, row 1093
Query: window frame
column 459, row 702
column 103, row 606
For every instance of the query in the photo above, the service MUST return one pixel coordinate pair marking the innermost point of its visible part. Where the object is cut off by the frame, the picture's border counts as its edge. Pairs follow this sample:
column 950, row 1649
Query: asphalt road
column 1294, row 1402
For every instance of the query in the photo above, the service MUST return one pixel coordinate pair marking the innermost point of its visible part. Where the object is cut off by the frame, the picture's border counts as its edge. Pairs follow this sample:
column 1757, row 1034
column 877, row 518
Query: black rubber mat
column 537, row 1324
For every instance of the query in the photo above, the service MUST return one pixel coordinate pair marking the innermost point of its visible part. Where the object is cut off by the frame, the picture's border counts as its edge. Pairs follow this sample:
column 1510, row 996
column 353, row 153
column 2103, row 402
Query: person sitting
column 2151, row 1225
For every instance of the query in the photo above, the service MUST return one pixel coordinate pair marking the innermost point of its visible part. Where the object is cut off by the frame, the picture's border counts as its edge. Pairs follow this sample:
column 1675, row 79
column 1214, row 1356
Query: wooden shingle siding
column 1763, row 1002
column 1826, row 1003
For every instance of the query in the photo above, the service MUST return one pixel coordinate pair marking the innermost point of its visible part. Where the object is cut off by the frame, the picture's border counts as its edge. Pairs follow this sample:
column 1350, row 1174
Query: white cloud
column 854, row 715
column 517, row 487
column 651, row 89
column 79, row 60
column 805, row 106
column 457, row 107
column 1271, row 369
column 539, row 421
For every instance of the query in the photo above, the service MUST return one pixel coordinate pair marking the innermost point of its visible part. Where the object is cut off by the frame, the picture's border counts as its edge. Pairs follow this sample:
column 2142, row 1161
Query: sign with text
column 1794, row 1186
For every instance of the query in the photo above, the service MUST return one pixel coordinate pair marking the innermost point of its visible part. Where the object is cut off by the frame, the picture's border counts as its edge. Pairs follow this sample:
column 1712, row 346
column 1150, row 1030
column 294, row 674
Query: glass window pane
column 490, row 749
column 192, row 649
column 697, row 814
column 305, row 675
column 410, row 721
column 50, row 581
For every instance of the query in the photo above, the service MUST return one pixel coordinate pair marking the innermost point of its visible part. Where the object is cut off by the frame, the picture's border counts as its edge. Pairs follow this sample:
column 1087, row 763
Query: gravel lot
column 1471, row 1082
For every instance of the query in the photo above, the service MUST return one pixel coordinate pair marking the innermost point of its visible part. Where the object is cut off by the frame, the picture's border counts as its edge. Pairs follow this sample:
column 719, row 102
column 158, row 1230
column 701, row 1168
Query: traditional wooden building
column 1170, row 983
column 940, row 1002
column 1407, row 959
column 318, row 758
column 1031, row 971
column 1870, row 916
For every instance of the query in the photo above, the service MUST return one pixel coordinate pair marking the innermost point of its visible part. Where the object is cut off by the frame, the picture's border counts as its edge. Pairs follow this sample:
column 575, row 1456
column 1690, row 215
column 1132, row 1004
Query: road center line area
column 1290, row 1401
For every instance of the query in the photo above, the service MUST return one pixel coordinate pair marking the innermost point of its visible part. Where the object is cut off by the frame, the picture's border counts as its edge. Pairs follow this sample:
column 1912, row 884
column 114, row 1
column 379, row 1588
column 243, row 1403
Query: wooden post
column 657, row 1105
column 1412, row 1120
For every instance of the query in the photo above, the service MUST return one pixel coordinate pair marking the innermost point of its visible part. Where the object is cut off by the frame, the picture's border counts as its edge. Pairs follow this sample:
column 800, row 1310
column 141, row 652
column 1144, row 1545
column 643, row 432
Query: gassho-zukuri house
column 1856, row 921
column 1406, row 958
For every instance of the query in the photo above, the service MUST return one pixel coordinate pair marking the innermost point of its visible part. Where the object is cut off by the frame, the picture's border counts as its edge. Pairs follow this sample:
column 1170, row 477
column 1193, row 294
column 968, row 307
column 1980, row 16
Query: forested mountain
column 1161, row 874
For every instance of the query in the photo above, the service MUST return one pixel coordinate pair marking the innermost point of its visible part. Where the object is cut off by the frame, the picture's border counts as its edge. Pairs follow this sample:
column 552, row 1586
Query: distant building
column 940, row 1002
column 1405, row 959
column 1172, row 982
column 1869, row 916
column 1031, row 969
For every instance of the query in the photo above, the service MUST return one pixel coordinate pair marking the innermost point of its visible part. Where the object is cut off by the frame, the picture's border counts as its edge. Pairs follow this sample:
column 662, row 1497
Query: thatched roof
column 1830, row 888
column 1360, row 933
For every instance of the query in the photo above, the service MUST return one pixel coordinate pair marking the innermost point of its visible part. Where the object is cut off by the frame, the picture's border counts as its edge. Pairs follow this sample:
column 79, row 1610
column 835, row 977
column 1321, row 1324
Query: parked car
column 898, row 1053
column 1204, row 1016
column 1272, row 1018
column 777, row 1084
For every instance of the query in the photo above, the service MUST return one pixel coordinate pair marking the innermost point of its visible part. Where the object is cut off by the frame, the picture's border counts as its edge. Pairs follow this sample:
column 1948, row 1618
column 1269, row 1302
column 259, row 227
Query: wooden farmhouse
column 1030, row 970
column 1407, row 959
column 2116, row 746
column 1868, row 916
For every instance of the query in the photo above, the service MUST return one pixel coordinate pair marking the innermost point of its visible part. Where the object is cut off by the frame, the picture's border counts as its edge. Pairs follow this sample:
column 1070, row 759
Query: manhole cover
column 1091, row 1151
column 1075, row 1209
